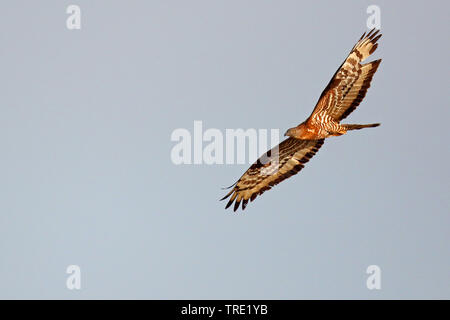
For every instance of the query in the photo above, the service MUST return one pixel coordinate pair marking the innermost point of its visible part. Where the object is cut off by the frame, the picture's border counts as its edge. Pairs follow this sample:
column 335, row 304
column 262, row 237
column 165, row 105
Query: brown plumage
column 342, row 95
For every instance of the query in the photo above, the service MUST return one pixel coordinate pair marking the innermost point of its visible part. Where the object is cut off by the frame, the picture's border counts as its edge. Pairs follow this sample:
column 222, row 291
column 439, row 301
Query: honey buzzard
column 342, row 95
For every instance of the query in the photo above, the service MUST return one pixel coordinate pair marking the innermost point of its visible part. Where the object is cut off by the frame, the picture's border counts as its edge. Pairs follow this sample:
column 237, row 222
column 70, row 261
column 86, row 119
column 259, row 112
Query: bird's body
column 324, row 127
column 342, row 95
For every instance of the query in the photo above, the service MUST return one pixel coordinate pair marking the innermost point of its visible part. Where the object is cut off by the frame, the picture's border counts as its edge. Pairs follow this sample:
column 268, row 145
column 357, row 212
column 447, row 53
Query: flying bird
column 345, row 91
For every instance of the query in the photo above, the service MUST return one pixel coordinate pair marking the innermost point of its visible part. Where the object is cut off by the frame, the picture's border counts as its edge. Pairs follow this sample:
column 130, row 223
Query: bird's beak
column 286, row 133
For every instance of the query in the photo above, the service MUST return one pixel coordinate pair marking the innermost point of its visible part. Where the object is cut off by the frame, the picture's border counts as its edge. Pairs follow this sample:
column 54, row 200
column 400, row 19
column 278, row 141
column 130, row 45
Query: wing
column 278, row 164
column 349, row 85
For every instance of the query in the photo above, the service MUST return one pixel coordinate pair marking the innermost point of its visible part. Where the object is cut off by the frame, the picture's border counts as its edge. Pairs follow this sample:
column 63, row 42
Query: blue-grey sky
column 87, row 179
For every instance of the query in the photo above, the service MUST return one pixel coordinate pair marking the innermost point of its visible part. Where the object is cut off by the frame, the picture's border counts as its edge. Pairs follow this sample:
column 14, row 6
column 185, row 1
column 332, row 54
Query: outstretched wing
column 349, row 84
column 278, row 164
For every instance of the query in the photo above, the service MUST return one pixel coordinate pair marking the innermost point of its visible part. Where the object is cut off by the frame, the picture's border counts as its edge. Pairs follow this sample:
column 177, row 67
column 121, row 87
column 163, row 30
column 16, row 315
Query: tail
column 360, row 126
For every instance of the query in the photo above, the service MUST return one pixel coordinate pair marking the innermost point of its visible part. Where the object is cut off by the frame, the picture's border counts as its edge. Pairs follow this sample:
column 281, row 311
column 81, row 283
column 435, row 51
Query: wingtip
column 227, row 195
column 228, row 204
column 236, row 205
column 244, row 204
column 225, row 188
column 373, row 35
column 362, row 37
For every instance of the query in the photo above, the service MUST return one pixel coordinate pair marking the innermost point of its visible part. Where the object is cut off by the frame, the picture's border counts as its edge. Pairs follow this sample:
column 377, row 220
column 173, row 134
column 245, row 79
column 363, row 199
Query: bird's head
column 294, row 132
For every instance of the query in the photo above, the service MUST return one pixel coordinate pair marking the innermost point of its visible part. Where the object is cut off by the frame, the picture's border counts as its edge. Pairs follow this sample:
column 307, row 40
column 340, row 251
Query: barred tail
column 360, row 126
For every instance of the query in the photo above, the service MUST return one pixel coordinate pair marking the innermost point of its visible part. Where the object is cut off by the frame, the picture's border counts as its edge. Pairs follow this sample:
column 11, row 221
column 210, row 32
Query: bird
column 343, row 94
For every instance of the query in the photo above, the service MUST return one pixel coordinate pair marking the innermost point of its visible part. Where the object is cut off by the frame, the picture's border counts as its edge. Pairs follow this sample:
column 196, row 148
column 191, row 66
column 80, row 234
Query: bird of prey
column 342, row 95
